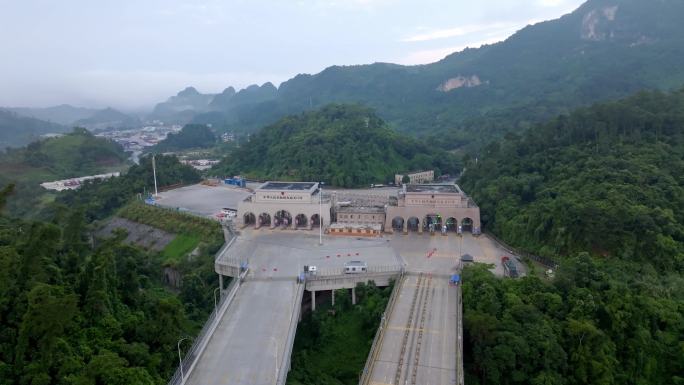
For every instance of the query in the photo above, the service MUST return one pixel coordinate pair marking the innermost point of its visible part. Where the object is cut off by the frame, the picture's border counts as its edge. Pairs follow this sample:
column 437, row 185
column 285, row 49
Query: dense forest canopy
column 342, row 145
column 599, row 322
column 606, row 179
column 601, row 191
column 78, row 312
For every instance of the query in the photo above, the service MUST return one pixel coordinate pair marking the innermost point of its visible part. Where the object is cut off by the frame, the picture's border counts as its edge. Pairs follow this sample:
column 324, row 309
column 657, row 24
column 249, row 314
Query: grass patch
column 207, row 230
column 181, row 246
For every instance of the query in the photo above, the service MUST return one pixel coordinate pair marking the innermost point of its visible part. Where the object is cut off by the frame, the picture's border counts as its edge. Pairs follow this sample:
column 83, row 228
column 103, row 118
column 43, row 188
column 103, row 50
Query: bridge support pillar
column 221, row 282
column 313, row 300
column 332, row 294
column 353, row 296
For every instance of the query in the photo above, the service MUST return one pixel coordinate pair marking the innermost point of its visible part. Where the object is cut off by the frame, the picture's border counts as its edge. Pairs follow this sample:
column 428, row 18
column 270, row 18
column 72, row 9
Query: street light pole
column 180, row 361
column 320, row 213
column 154, row 173
column 215, row 297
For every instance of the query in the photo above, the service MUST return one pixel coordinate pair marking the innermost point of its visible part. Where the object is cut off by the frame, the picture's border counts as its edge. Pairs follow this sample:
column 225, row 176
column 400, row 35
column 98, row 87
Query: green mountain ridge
column 604, row 50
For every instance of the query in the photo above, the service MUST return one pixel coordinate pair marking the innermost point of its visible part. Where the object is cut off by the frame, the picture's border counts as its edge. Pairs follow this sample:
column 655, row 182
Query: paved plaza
column 202, row 199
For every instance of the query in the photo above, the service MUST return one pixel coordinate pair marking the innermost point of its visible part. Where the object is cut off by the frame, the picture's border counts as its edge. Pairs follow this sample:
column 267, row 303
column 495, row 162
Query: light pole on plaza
column 180, row 361
column 320, row 213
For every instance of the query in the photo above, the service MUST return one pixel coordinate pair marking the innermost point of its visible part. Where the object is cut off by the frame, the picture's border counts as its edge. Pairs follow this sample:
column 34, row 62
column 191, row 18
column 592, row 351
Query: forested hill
column 606, row 180
column 75, row 154
column 601, row 191
column 606, row 49
column 342, row 145
column 16, row 131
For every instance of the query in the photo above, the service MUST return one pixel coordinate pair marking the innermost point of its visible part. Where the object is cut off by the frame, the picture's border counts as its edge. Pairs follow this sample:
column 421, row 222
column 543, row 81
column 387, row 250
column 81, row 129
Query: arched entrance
column 301, row 221
column 264, row 219
column 467, row 225
column 283, row 218
column 413, row 224
column 398, row 224
column 315, row 220
column 432, row 222
column 452, row 224
column 249, row 219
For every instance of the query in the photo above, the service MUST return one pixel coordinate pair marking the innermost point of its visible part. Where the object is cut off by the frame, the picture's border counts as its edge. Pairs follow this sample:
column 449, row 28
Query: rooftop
column 290, row 186
column 433, row 188
column 359, row 209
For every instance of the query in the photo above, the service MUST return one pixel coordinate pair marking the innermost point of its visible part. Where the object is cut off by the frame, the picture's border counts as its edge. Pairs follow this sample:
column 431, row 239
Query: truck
column 235, row 181
column 510, row 270
column 454, row 279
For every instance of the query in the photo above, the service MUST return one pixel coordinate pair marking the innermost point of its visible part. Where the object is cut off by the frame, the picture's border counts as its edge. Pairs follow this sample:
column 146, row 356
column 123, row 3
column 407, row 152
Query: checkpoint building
column 433, row 207
column 292, row 205
column 416, row 207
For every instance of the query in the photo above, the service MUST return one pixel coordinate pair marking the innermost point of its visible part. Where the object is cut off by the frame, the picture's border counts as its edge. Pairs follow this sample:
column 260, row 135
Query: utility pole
column 154, row 172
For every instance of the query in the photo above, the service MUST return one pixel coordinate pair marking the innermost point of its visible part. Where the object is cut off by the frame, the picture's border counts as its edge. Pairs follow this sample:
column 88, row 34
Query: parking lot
column 203, row 200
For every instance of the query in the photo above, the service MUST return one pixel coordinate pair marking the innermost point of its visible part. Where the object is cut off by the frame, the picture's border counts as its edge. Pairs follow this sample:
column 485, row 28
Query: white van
column 355, row 267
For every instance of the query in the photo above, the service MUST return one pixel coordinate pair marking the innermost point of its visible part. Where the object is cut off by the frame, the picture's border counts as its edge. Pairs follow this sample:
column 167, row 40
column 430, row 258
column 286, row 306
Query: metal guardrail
column 289, row 344
column 547, row 262
column 380, row 333
column 339, row 271
column 207, row 331
column 459, row 338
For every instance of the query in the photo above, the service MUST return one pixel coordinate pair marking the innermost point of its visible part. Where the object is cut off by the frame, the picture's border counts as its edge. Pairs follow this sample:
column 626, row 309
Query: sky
column 131, row 54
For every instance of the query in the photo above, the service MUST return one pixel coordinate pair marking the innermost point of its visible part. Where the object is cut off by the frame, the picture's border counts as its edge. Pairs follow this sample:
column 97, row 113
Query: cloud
column 124, row 89
column 458, row 31
column 551, row 3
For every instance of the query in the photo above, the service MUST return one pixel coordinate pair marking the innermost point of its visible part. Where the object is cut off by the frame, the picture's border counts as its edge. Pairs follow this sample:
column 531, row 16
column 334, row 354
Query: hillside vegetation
column 600, row 190
column 606, row 179
column 102, row 198
column 190, row 229
column 76, row 154
column 332, row 343
column 76, row 313
column 342, row 145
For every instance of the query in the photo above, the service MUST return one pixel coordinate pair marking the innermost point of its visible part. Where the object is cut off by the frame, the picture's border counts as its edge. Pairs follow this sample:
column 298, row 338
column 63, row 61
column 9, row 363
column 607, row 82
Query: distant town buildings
column 227, row 137
column 416, row 177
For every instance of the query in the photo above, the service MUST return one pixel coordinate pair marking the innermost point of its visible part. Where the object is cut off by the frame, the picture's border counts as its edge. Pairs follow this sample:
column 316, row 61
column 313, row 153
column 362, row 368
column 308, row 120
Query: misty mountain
column 107, row 118
column 16, row 130
column 604, row 50
column 183, row 106
column 64, row 114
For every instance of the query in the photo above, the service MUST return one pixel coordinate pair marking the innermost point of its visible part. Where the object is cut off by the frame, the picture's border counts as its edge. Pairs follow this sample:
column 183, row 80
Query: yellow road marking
column 403, row 328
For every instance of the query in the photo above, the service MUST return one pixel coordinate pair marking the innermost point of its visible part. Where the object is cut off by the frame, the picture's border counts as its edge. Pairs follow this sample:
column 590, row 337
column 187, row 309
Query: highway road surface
column 419, row 344
column 249, row 341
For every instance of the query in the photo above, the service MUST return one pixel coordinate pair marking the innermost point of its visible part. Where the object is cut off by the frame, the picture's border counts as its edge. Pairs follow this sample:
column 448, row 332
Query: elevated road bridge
column 419, row 341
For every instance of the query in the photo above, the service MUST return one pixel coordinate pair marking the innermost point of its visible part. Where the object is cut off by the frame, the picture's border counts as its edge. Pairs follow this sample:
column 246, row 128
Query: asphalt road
column 283, row 253
column 243, row 348
column 419, row 346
